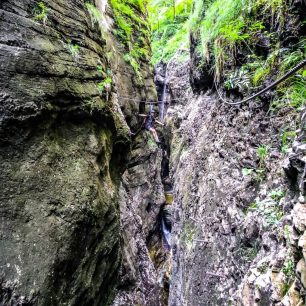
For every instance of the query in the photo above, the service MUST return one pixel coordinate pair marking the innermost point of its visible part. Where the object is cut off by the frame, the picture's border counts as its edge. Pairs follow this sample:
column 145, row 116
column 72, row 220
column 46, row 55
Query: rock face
column 60, row 227
column 82, row 196
column 235, row 241
column 64, row 147
column 141, row 198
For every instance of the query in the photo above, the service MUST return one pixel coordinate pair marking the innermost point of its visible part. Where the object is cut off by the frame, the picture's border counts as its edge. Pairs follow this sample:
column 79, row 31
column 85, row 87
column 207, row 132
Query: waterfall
column 167, row 234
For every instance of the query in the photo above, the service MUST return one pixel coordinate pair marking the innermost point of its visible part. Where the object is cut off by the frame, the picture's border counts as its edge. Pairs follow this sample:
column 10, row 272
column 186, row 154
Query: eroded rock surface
column 64, row 148
column 141, row 198
column 235, row 241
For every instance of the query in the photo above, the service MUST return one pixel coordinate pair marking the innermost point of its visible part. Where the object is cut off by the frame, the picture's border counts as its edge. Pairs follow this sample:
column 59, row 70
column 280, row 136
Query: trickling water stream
column 166, row 234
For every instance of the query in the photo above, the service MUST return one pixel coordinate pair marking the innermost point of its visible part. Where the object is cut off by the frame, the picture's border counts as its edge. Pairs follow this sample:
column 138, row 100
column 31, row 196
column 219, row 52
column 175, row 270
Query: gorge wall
column 83, row 182
column 235, row 235
column 65, row 148
column 238, row 223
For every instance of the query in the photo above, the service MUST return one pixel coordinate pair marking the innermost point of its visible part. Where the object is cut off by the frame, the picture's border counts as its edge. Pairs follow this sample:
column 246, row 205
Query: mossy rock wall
column 63, row 149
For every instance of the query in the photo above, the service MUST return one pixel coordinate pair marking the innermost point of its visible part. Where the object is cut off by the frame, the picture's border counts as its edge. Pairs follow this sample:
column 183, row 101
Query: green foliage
column 74, row 49
column 289, row 271
column 106, row 83
column 127, row 17
column 170, row 31
column 263, row 268
column 222, row 28
column 287, row 233
column 198, row 13
column 251, row 74
column 102, row 85
column 132, row 30
column 233, row 31
column 253, row 206
column 219, row 20
column 247, row 171
column 288, row 268
column 269, row 208
column 133, row 62
column 94, row 12
column 262, row 153
column 227, row 26
column 260, row 74
column 101, row 70
column 293, row 93
column 277, row 195
column 276, row 8
column 285, row 288
column 292, row 59
column 286, row 140
column 240, row 79
column 41, row 12
column 258, row 174
column 249, row 253
column 95, row 15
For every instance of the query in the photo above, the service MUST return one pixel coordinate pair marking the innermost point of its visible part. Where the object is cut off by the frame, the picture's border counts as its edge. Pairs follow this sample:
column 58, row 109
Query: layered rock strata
column 64, row 147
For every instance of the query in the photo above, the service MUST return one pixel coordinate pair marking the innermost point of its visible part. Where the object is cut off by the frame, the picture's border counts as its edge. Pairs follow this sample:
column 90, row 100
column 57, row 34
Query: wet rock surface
column 82, row 183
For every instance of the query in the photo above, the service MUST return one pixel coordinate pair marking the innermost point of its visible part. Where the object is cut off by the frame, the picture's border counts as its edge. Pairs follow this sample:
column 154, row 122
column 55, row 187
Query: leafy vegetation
column 286, row 140
column 277, row 195
column 170, row 28
column 132, row 30
column 95, row 15
column 289, row 271
column 249, row 253
column 94, row 12
column 262, row 153
column 247, row 171
column 227, row 26
column 41, row 12
column 102, row 85
column 74, row 49
column 242, row 35
column 259, row 174
column 269, row 208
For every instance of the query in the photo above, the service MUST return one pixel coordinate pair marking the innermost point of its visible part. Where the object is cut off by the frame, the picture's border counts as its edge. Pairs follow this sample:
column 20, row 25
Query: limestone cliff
column 65, row 145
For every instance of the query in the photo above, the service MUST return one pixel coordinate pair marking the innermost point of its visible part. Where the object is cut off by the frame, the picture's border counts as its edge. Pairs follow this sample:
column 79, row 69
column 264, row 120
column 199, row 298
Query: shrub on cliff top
column 225, row 26
column 132, row 30
column 170, row 30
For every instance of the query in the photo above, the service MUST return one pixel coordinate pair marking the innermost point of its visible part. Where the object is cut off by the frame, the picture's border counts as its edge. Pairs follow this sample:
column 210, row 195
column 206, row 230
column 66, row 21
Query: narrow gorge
column 133, row 173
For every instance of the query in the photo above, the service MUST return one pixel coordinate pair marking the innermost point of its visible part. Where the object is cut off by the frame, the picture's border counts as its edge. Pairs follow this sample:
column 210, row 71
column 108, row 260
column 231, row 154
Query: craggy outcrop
column 235, row 212
column 64, row 147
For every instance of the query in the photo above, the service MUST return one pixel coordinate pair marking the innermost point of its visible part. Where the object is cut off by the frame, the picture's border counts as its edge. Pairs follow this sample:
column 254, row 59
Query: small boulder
column 301, row 271
column 299, row 217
